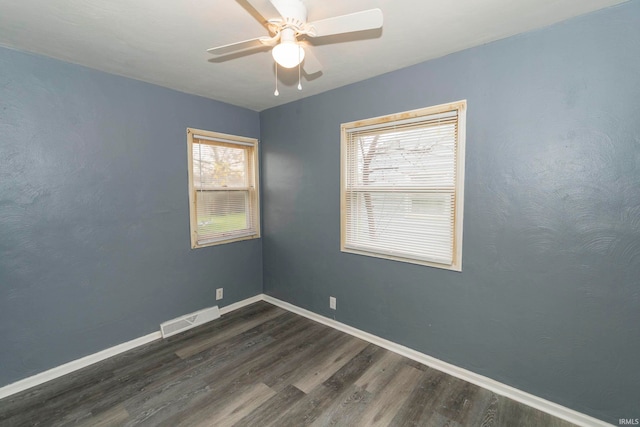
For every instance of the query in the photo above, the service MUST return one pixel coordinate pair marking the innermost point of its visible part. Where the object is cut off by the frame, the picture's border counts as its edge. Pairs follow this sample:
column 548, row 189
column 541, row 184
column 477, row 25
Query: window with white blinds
column 402, row 186
column 223, row 188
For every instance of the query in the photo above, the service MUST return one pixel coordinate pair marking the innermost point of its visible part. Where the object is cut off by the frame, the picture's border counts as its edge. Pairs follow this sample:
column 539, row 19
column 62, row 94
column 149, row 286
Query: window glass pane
column 215, row 166
column 222, row 211
column 419, row 225
column 398, row 158
column 224, row 199
column 401, row 186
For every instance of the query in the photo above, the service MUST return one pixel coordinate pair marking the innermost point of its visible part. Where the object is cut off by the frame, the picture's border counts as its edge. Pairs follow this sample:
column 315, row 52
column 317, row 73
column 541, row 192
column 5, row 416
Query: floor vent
column 183, row 323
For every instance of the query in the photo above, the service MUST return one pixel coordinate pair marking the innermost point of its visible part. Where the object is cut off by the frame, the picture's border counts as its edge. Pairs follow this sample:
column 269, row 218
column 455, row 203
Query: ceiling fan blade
column 311, row 65
column 358, row 21
column 243, row 45
column 265, row 8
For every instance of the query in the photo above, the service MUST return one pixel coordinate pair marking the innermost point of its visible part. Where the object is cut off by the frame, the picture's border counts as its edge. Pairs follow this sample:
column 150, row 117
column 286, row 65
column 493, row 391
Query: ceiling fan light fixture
column 288, row 54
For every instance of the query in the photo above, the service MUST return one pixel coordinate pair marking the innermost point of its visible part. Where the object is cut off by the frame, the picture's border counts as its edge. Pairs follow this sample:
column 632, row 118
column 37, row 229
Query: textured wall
column 94, row 221
column 548, row 299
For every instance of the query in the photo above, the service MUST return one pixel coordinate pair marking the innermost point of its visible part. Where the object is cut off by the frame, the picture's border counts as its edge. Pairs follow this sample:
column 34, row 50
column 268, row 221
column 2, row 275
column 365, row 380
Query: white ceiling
column 164, row 42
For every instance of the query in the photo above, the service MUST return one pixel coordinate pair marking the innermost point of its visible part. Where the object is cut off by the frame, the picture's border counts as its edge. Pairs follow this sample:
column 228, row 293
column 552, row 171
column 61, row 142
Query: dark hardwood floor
column 263, row 366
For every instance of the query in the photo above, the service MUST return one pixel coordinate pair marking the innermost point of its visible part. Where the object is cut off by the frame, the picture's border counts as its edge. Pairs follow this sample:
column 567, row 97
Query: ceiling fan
column 286, row 21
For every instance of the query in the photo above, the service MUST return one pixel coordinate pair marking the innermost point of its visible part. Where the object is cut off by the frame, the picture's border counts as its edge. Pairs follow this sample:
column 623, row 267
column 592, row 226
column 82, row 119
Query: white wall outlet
column 332, row 303
column 218, row 294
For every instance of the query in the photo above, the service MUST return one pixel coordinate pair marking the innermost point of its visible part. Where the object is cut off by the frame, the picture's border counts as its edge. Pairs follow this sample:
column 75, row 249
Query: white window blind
column 224, row 195
column 401, row 187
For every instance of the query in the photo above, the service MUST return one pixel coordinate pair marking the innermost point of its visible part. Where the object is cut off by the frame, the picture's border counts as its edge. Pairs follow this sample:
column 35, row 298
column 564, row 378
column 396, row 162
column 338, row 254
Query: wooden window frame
column 460, row 107
column 253, row 190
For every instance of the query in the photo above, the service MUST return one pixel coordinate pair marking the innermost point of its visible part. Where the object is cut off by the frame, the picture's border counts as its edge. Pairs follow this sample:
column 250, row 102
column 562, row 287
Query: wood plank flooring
column 263, row 366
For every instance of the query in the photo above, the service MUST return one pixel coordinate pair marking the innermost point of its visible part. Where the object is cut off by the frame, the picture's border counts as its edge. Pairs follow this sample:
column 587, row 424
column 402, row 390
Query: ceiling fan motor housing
column 294, row 13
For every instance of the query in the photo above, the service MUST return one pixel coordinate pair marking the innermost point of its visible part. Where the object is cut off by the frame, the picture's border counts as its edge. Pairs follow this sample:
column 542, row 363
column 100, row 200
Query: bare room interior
column 297, row 212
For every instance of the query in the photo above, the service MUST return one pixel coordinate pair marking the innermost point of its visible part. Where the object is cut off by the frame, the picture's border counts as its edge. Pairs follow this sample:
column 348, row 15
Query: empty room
column 299, row 212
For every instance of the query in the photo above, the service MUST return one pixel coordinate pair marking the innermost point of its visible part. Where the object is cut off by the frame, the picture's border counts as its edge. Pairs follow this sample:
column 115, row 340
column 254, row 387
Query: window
column 402, row 179
column 223, row 188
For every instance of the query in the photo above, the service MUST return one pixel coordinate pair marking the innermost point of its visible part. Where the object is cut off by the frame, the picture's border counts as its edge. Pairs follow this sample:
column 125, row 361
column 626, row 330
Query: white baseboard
column 477, row 379
column 83, row 362
column 74, row 365
column 236, row 305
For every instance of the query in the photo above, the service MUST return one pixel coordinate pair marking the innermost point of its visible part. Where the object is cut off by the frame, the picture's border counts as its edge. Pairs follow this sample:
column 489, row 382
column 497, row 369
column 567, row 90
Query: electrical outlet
column 332, row 303
column 218, row 294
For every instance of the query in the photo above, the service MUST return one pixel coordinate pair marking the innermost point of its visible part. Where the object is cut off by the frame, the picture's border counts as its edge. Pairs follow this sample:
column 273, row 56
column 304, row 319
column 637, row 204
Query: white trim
column 219, row 136
column 349, row 134
column 83, row 362
column 431, row 118
column 477, row 379
column 74, row 365
column 228, row 141
column 236, row 305
column 195, row 136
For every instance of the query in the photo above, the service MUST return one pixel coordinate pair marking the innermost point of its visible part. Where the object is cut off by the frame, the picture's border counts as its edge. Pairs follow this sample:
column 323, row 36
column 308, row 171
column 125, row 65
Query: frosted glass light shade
column 288, row 54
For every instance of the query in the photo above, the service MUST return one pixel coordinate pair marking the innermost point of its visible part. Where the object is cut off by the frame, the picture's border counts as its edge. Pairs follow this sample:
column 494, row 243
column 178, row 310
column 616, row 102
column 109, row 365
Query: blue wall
column 94, row 219
column 548, row 299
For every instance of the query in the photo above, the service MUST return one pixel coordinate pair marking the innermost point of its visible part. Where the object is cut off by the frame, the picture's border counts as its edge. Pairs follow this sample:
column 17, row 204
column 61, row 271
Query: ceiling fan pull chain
column 276, row 93
column 299, row 66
